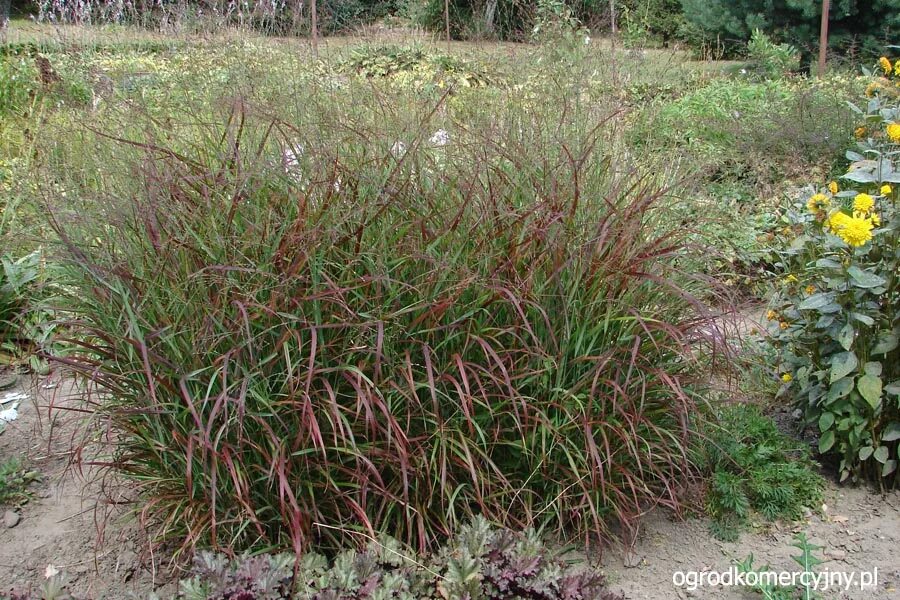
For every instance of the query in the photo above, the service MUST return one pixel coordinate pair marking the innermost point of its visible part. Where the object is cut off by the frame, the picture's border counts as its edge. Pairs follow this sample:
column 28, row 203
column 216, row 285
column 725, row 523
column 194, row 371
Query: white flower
column 292, row 155
column 337, row 185
column 50, row 571
column 587, row 40
column 439, row 138
column 398, row 149
column 290, row 161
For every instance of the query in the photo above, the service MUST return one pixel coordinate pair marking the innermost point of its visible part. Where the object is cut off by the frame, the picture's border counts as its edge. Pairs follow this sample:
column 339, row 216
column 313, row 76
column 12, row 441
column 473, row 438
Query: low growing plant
column 807, row 560
column 480, row 563
column 755, row 467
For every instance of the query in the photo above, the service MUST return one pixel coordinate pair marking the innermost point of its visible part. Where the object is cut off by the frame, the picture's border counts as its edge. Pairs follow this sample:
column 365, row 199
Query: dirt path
column 69, row 524
column 860, row 531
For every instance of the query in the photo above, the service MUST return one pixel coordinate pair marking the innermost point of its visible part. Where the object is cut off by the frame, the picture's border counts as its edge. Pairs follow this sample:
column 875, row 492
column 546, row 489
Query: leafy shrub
column 852, row 26
column 17, row 276
column 754, row 131
column 755, row 467
column 834, row 317
column 479, row 563
column 416, row 63
column 770, row 60
column 555, row 21
column 297, row 347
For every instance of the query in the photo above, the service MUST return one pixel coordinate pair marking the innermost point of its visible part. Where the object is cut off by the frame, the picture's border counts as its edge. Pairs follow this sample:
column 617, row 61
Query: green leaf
column 826, row 421
column 827, row 263
column 891, row 432
column 826, row 441
column 815, row 301
column 846, row 336
column 873, row 367
column 869, row 387
column 888, row 468
column 864, row 319
column 881, row 454
column 887, row 341
column 864, row 279
column 839, row 389
column 842, row 364
column 865, row 452
column 893, row 388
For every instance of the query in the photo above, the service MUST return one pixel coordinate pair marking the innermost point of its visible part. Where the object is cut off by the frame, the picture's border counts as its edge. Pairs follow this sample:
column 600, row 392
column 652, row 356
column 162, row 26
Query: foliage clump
column 415, row 65
column 480, row 563
column 395, row 334
column 834, row 317
column 755, row 467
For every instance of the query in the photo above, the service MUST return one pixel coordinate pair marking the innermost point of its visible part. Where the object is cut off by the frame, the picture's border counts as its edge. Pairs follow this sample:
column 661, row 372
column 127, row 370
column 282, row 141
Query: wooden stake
column 315, row 28
column 447, row 22
column 823, row 37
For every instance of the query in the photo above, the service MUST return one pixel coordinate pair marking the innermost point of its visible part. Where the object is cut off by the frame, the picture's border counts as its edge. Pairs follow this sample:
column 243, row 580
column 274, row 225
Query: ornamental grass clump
column 383, row 341
column 835, row 318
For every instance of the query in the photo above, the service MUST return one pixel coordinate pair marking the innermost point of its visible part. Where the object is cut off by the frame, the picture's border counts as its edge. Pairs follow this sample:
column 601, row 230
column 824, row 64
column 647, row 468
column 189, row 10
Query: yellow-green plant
column 835, row 318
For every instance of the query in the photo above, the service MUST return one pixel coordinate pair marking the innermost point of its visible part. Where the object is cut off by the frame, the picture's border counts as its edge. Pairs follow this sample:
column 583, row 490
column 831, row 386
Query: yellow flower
column 818, row 202
column 860, row 133
column 790, row 279
column 771, row 315
column 855, row 231
column 875, row 219
column 787, row 378
column 886, row 65
column 810, row 290
column 886, row 190
column 833, row 187
column 893, row 131
column 783, row 325
column 863, row 203
column 897, row 68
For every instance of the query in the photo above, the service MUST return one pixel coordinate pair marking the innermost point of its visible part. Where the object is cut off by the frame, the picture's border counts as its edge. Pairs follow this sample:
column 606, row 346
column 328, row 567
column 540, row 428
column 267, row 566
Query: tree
column 865, row 27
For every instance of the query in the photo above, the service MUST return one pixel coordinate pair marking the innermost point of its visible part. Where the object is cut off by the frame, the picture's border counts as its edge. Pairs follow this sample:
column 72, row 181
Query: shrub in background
column 300, row 342
column 770, row 60
column 835, row 316
column 855, row 27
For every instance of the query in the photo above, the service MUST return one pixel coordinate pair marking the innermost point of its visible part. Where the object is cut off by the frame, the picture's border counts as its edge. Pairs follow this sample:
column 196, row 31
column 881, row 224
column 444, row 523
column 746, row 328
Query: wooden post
column 612, row 17
column 314, row 17
column 823, row 37
column 447, row 22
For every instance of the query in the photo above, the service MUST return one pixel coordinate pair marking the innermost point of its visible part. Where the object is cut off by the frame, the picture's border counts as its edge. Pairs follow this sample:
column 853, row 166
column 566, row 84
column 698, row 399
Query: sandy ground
column 71, row 523
column 74, row 525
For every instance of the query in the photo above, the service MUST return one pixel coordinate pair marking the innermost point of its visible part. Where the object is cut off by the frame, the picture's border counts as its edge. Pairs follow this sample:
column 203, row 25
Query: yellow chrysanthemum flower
column 818, row 202
column 790, row 279
column 787, row 378
column 886, row 65
column 855, row 231
column 860, row 133
column 810, row 290
column 863, row 203
column 893, row 131
column 886, row 190
column 771, row 315
column 784, row 325
column 833, row 187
